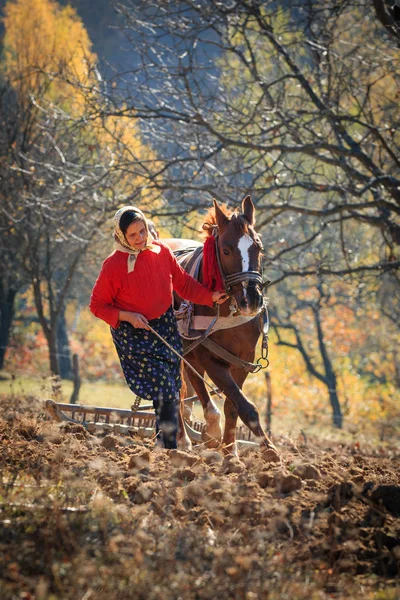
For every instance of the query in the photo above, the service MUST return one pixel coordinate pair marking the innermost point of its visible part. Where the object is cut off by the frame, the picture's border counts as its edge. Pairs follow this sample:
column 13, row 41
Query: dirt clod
column 109, row 442
column 340, row 494
column 265, row 479
column 141, row 460
column 287, row 483
column 232, row 464
column 211, row 457
column 389, row 497
column 180, row 459
column 270, row 455
column 307, row 471
column 144, row 492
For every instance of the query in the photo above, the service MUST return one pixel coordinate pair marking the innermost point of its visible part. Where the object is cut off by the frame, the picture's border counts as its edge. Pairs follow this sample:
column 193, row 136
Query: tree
column 292, row 332
column 63, row 171
column 12, row 279
column 46, row 51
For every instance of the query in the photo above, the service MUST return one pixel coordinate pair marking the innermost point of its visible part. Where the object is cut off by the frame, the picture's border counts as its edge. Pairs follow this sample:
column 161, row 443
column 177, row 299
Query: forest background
column 167, row 105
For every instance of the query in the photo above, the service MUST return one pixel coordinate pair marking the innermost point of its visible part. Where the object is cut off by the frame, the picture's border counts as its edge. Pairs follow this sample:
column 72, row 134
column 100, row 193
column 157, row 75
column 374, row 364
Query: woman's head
column 131, row 228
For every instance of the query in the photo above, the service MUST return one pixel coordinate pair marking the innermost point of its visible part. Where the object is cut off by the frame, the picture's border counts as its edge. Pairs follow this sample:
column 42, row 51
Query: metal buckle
column 260, row 365
column 264, row 354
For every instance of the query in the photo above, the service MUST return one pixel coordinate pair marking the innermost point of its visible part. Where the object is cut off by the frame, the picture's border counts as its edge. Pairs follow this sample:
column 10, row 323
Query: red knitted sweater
column 146, row 290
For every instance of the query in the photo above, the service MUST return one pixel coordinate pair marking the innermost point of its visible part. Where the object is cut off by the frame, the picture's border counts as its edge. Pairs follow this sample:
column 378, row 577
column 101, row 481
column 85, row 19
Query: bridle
column 234, row 278
column 245, row 277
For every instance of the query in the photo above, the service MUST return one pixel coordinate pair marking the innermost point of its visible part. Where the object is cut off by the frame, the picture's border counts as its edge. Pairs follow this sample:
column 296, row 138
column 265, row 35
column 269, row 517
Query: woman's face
column 136, row 235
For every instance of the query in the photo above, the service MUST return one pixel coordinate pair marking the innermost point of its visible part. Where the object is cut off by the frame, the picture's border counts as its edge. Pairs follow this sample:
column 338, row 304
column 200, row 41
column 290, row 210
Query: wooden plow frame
column 141, row 422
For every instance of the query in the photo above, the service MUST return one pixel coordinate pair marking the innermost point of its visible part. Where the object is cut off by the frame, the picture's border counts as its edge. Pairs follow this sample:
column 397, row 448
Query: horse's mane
column 210, row 220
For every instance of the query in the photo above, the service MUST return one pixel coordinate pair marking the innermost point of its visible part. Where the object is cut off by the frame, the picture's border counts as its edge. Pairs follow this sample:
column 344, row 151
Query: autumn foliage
column 43, row 40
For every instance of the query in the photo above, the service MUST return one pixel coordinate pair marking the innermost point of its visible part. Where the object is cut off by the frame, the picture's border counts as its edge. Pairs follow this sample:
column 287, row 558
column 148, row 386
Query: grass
column 93, row 393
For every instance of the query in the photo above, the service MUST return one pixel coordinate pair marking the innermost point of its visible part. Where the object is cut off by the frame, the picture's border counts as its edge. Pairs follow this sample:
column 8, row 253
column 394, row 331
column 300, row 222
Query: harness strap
column 243, row 276
column 198, row 340
column 230, row 358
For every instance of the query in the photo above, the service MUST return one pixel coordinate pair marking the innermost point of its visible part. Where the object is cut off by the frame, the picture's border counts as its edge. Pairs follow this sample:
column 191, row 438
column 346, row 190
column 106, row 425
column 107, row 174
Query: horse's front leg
column 229, row 439
column 247, row 411
column 212, row 433
column 231, row 415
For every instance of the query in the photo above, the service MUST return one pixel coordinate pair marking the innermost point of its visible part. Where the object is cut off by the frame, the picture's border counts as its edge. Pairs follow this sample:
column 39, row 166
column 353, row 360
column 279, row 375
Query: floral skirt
column 151, row 369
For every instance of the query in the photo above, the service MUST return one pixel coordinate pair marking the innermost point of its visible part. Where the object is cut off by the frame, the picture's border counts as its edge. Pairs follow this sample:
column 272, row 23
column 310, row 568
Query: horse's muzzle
column 249, row 300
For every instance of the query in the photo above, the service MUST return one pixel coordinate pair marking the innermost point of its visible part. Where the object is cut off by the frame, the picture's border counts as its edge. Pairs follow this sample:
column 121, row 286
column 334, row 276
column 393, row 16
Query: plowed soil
column 83, row 516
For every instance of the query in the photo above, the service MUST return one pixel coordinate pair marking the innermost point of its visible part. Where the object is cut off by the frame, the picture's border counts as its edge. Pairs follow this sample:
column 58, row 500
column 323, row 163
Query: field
column 99, row 393
column 113, row 518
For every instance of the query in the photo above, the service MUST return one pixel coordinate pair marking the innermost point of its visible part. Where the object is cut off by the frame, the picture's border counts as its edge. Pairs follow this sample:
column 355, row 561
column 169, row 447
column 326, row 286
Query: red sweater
column 146, row 290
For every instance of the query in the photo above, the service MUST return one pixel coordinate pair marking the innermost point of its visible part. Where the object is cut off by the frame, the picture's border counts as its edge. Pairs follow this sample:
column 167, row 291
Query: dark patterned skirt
column 151, row 369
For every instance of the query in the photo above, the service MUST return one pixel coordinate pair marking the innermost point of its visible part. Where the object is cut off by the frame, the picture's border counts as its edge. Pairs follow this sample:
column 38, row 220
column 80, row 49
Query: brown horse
column 238, row 250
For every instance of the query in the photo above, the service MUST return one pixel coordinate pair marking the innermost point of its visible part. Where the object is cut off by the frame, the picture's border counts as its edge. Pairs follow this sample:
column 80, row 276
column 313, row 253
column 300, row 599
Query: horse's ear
column 248, row 210
column 220, row 216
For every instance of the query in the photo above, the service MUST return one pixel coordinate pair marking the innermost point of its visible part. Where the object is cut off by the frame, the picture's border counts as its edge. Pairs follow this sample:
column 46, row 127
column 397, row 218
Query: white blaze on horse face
column 244, row 246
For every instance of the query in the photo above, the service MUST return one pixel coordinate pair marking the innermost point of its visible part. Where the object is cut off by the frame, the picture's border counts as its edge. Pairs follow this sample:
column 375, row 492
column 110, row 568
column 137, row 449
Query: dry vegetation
column 110, row 517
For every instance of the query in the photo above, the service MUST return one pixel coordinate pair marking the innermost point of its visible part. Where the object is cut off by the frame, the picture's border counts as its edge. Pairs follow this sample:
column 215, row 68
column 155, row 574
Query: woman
column 134, row 290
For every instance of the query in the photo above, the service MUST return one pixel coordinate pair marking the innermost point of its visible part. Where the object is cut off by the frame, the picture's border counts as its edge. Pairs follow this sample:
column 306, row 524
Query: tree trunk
column 330, row 377
column 77, row 380
column 397, row 372
column 51, row 337
column 7, row 299
column 49, row 326
column 64, row 353
column 334, row 400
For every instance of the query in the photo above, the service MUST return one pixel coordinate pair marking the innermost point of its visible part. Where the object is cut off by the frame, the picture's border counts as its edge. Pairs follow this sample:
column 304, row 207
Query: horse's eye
column 225, row 251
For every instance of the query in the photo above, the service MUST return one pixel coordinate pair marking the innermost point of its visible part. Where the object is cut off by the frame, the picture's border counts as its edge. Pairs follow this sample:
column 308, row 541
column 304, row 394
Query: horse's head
column 239, row 250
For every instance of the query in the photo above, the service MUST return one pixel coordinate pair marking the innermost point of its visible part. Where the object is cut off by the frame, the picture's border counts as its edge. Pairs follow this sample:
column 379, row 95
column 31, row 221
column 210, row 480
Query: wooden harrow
column 98, row 419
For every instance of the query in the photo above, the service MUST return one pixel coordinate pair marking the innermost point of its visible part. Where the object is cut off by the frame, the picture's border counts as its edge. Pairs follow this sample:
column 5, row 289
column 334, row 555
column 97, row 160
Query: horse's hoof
column 270, row 455
column 230, row 450
column 184, row 443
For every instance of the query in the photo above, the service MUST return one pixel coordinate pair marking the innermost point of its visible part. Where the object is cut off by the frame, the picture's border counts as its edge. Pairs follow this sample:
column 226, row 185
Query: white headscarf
column 120, row 242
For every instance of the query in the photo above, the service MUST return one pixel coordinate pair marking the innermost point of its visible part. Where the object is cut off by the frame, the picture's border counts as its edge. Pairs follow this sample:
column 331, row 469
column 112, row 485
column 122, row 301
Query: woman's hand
column 219, row 297
column 135, row 319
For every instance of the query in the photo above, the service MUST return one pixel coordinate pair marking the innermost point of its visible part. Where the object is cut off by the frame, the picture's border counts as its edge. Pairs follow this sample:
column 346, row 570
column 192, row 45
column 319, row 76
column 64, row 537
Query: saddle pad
column 190, row 260
column 201, row 323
